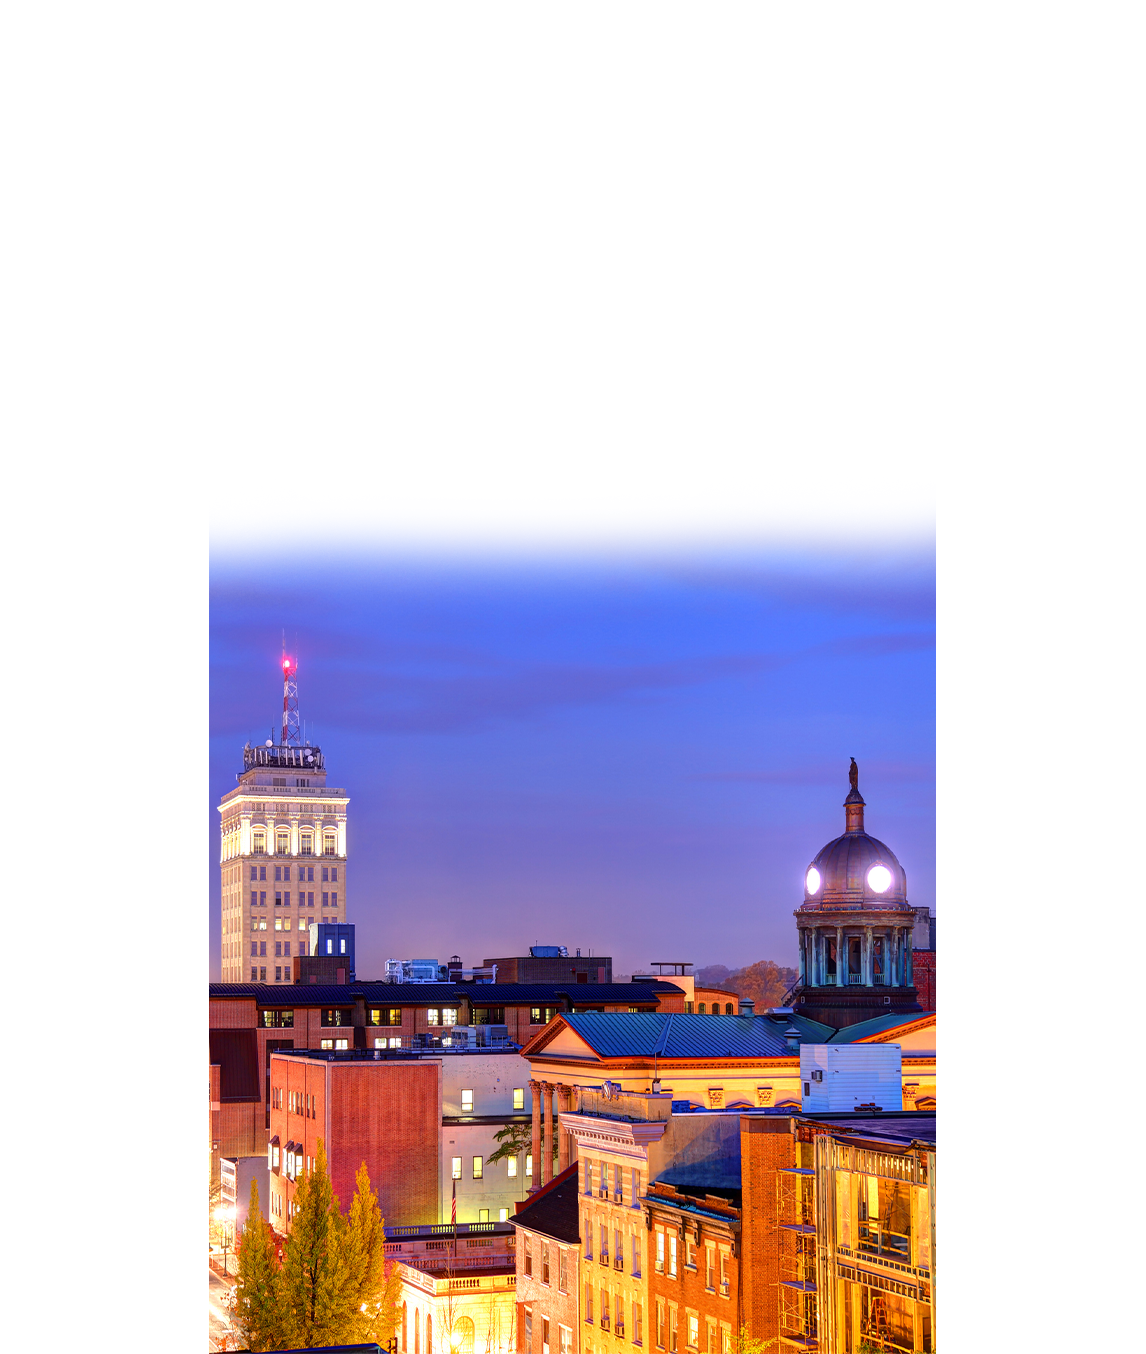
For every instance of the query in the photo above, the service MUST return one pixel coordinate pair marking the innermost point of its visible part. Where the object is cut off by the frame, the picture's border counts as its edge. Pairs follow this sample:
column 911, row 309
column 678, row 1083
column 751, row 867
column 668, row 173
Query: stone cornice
column 613, row 1135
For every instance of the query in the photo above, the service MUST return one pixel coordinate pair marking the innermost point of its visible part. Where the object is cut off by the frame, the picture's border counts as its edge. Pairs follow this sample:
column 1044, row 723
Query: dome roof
column 844, row 865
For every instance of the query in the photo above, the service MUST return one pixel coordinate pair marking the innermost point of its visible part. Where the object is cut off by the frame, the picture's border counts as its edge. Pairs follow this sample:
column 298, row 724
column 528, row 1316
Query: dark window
column 278, row 900
column 309, row 898
column 254, row 949
column 334, row 900
column 489, row 1015
column 262, row 949
column 254, row 975
column 334, row 875
column 262, row 899
column 310, row 874
column 338, row 1016
column 326, row 900
column 254, row 898
column 277, row 1020
column 262, row 973
column 278, row 949
column 279, row 872
column 286, row 949
column 278, row 974
column 728, row 1008
column 262, row 871
column 254, row 872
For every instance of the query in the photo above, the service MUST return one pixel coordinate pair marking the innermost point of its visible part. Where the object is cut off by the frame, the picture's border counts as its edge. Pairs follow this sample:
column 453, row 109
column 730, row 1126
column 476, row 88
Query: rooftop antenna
column 290, row 736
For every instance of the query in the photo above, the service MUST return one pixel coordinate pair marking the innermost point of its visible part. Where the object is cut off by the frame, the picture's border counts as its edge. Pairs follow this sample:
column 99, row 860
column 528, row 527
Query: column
column 546, row 1134
column 804, row 959
column 841, row 959
column 535, row 1142
column 868, row 958
column 563, row 1132
column 908, row 966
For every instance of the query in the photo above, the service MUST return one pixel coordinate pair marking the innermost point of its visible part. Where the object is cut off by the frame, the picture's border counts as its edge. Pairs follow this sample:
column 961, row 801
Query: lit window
column 341, row 1043
column 519, row 1098
column 282, row 843
column 467, row 1102
column 342, row 945
column 693, row 1331
column 326, row 1043
column 477, row 1167
column 301, row 924
column 503, row 1215
column 449, row 1015
column 307, row 844
column 396, row 1042
column 528, row 1165
column 455, row 1168
column 328, row 844
column 278, row 923
column 483, row 1215
column 431, row 1016
column 512, row 1164
column 260, row 844
column 395, row 1015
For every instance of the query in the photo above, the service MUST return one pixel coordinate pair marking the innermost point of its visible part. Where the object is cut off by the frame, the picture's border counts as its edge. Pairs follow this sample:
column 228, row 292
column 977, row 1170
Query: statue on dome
column 854, row 774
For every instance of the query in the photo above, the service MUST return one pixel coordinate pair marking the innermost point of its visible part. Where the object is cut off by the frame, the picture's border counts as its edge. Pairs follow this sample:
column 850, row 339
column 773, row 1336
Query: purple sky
column 637, row 757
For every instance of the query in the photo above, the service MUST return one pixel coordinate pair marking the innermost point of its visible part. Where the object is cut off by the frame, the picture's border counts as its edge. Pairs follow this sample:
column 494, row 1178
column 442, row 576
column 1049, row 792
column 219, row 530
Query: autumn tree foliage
column 765, row 982
column 332, row 1287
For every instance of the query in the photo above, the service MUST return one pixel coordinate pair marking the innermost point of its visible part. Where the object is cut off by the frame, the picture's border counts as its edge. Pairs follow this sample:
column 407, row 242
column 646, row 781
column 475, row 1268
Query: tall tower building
column 282, row 852
column 855, row 926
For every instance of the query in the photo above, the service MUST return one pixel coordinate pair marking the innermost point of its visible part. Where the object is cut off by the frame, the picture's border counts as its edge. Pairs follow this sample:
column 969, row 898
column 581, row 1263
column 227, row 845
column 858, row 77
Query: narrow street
column 219, row 1319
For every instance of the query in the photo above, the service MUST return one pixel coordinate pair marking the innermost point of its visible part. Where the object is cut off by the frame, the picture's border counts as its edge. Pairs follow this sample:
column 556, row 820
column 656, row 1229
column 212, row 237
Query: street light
column 226, row 1216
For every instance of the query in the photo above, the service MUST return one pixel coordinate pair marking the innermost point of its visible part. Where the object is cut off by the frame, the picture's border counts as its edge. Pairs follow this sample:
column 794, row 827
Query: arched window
column 282, row 843
column 702, row 1009
column 429, row 1334
column 328, row 844
column 417, row 1333
column 403, row 1328
column 260, row 843
column 463, row 1335
column 728, row 1008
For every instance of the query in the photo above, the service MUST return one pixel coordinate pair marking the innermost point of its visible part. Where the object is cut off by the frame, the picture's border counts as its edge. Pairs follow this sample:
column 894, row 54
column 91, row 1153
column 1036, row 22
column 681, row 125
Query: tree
column 256, row 1309
column 515, row 1139
column 371, row 1296
column 765, row 982
column 748, row 1344
column 315, row 1279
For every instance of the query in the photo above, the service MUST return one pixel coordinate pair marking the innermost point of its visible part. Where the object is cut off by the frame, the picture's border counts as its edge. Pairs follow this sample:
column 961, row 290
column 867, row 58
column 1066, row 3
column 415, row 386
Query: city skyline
column 591, row 753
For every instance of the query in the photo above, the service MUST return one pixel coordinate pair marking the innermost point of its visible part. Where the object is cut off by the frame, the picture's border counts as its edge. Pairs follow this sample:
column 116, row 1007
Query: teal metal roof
column 876, row 1025
column 674, row 1035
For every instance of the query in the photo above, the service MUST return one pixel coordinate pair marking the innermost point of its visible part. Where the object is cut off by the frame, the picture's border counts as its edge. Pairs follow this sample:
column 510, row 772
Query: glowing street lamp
column 226, row 1215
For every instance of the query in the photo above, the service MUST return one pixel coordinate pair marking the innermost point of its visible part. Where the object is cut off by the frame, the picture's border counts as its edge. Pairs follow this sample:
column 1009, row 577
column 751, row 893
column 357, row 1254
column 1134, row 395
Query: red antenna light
column 291, row 734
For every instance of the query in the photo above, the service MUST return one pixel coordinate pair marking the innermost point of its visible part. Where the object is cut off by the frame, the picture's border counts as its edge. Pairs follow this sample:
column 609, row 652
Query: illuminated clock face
column 879, row 879
column 813, row 880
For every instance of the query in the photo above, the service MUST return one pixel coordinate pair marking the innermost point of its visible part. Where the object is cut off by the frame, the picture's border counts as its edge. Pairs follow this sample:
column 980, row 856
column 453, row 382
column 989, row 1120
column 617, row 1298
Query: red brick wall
column 923, row 970
column 546, row 1300
column 766, row 1145
column 384, row 1114
column 688, row 1289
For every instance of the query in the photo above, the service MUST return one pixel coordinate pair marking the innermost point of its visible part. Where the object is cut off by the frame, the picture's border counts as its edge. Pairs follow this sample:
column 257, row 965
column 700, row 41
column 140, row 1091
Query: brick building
column 694, row 1280
column 839, row 1225
column 548, row 1285
column 248, row 1021
column 384, row 1112
column 553, row 964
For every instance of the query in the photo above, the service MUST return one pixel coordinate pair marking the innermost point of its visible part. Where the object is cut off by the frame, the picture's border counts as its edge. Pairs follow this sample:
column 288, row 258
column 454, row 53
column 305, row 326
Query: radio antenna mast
column 291, row 737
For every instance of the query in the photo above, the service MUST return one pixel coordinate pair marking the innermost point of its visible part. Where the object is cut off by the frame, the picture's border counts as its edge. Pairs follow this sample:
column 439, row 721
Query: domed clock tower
column 855, row 928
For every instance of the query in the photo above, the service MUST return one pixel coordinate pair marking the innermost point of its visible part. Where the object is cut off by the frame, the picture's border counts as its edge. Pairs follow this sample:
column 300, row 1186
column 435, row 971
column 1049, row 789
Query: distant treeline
column 765, row 982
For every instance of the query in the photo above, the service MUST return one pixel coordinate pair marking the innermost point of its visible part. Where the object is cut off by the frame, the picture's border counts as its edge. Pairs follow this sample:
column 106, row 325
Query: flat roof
column 437, row 994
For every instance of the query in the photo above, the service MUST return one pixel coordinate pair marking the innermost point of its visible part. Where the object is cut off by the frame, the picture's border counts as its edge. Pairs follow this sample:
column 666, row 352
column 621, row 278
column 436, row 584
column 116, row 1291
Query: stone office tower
column 855, row 927
column 282, row 853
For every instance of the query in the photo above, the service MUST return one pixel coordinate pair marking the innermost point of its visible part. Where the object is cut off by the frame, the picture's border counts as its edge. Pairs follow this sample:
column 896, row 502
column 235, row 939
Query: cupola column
column 868, row 958
column 841, row 959
column 803, row 957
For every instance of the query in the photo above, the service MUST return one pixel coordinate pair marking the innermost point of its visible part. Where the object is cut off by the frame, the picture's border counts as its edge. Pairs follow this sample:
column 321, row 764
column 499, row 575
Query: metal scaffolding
column 796, row 1238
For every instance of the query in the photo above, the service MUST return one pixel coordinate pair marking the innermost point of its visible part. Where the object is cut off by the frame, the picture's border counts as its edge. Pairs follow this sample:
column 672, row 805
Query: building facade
column 548, row 1275
column 282, row 858
column 694, row 1278
column 457, row 1288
